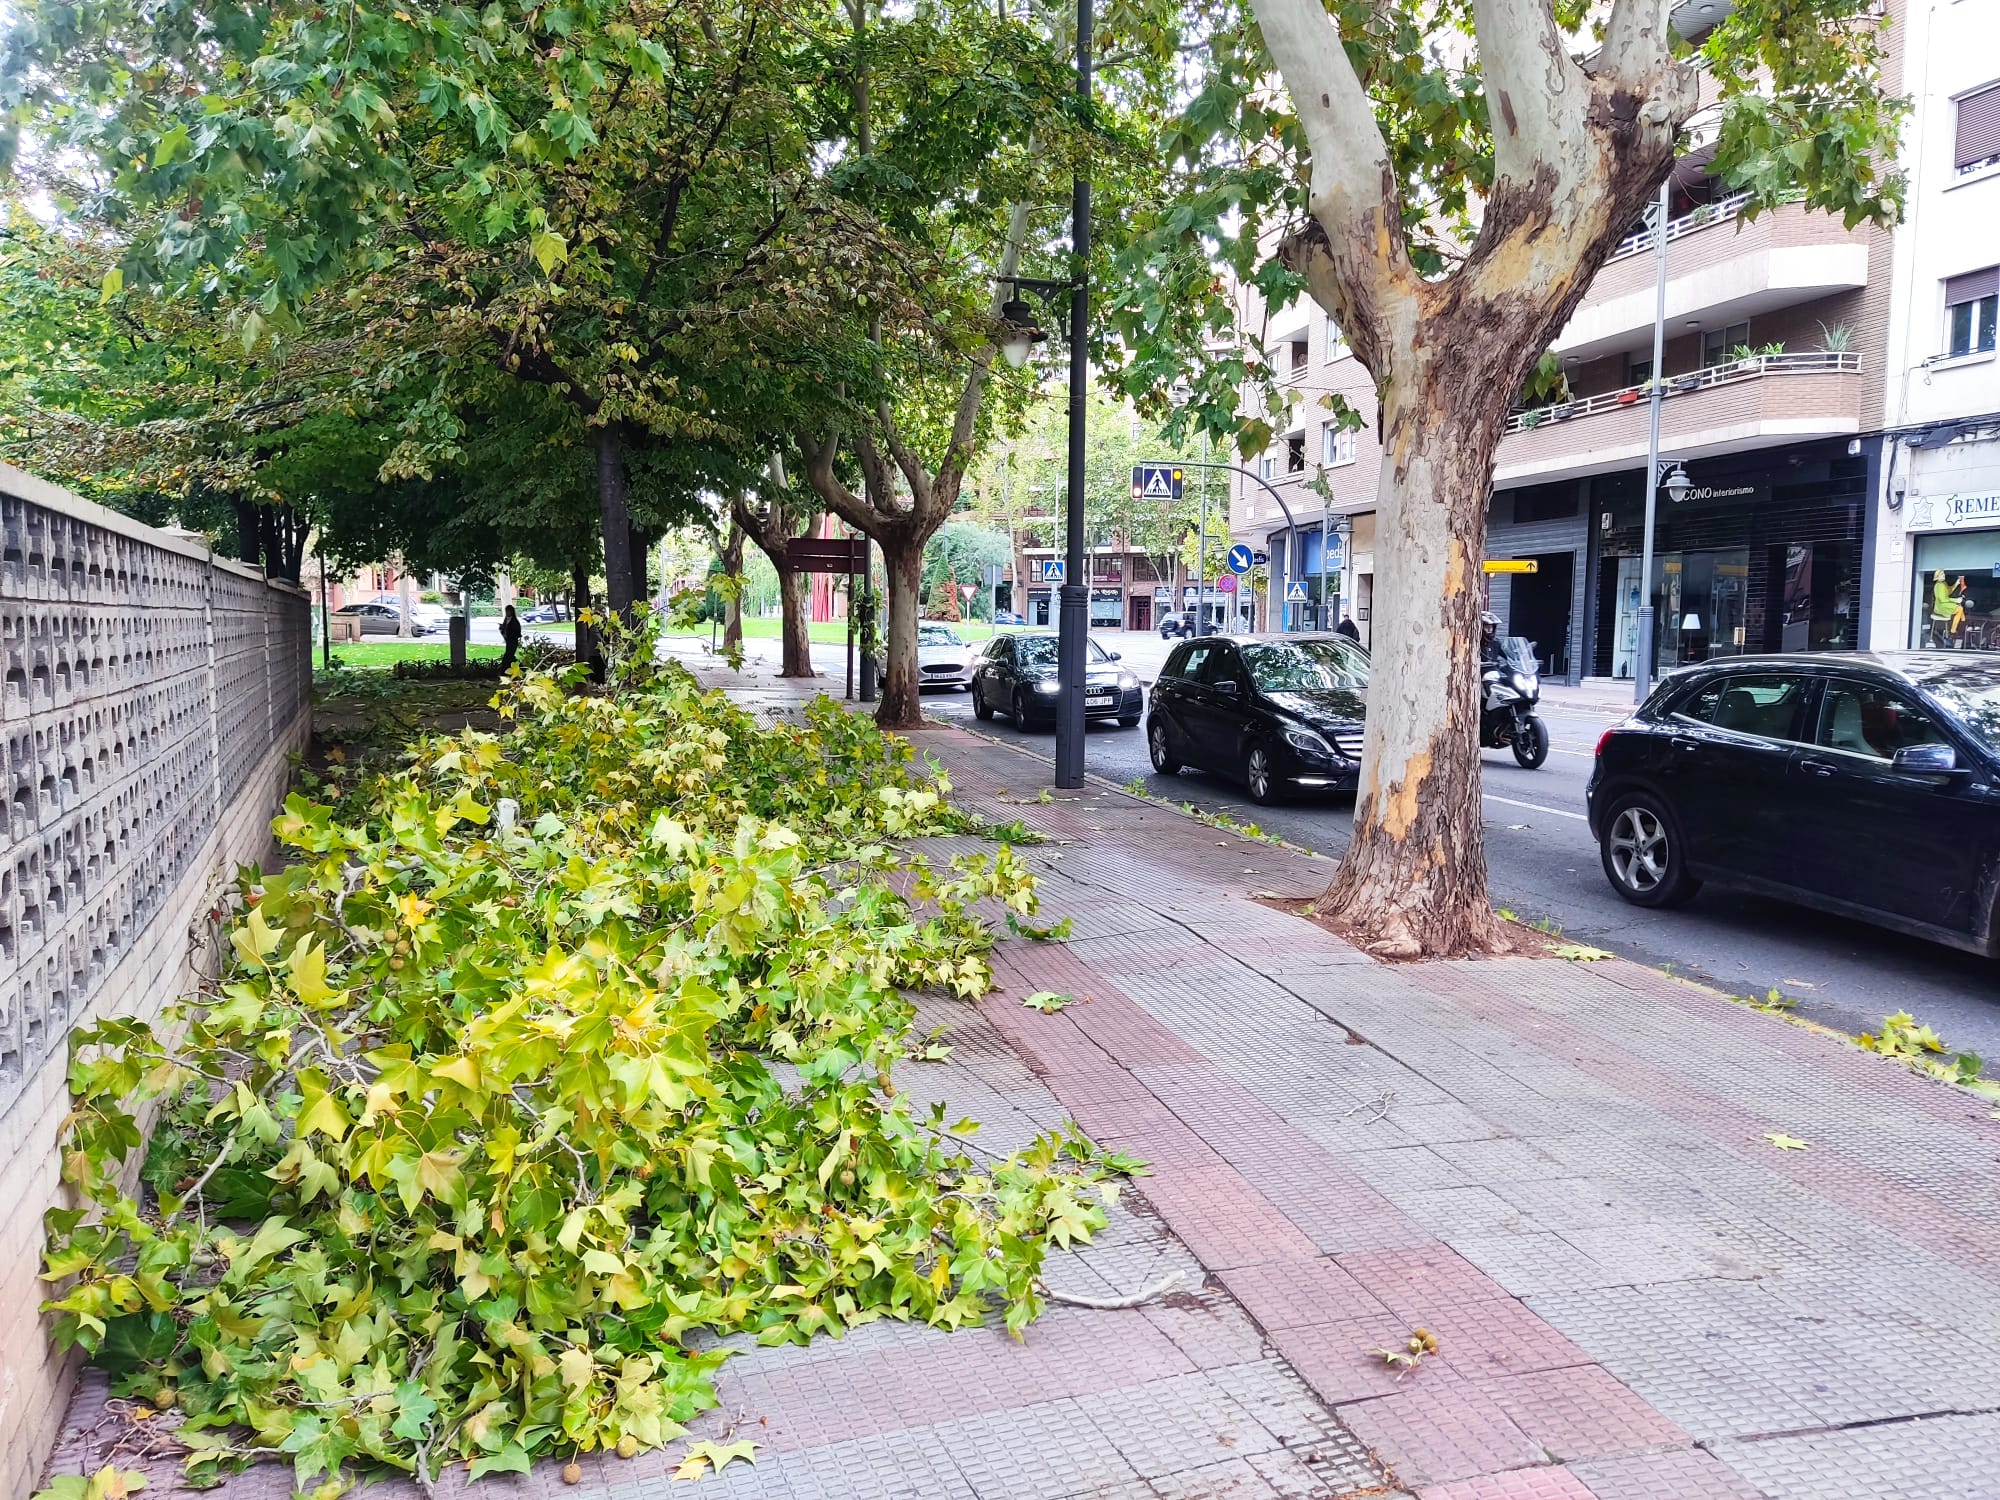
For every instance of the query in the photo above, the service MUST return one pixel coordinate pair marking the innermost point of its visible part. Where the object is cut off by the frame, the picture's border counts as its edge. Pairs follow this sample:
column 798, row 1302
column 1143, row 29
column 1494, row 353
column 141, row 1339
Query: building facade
column 1936, row 567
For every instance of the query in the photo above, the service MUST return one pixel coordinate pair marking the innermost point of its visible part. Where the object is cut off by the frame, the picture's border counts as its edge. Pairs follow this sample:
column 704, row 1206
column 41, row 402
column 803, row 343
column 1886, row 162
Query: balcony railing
column 1718, row 212
column 1753, row 368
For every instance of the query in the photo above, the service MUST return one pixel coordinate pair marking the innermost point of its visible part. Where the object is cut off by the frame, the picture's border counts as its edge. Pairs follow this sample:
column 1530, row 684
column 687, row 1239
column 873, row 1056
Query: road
column 1544, row 867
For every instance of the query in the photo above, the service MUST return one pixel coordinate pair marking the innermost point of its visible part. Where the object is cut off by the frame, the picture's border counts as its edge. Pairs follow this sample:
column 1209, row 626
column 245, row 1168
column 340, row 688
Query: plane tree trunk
column 768, row 523
column 901, row 704
column 732, row 568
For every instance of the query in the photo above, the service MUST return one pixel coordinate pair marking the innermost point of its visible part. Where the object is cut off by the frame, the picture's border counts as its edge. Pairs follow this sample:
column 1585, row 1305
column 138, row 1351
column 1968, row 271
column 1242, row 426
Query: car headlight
column 1127, row 680
column 1048, row 685
column 1307, row 739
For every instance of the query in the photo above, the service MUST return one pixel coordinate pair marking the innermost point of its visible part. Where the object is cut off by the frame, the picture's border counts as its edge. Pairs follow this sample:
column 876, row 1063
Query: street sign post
column 840, row 554
column 1512, row 565
column 1052, row 570
column 1241, row 559
column 1158, row 482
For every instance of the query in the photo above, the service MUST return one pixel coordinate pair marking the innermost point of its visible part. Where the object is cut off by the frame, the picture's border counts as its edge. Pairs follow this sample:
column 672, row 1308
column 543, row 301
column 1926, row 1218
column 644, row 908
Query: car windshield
column 1040, row 650
column 1305, row 667
column 1974, row 700
column 937, row 635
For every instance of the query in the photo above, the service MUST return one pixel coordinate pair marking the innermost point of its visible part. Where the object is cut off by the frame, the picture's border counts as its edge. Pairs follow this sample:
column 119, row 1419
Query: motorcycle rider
column 1489, row 640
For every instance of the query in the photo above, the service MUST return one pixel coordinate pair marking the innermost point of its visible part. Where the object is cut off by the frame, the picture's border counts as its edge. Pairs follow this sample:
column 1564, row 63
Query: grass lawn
column 387, row 653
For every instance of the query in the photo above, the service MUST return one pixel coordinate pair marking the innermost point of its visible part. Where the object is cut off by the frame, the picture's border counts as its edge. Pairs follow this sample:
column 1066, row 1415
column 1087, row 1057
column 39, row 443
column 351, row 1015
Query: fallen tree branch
column 1111, row 1304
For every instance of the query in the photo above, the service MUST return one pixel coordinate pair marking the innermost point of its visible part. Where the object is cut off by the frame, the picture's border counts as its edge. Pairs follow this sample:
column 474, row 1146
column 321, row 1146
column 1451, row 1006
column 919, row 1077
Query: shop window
column 1295, row 453
column 1717, row 344
column 1336, row 446
column 1970, row 304
column 1955, row 593
column 1978, row 143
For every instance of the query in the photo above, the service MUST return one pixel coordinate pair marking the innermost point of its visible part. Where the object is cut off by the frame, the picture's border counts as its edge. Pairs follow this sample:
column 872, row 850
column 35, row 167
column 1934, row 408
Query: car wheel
column 1531, row 743
column 1020, row 710
column 1161, row 750
column 1260, row 779
column 981, row 709
column 1644, row 858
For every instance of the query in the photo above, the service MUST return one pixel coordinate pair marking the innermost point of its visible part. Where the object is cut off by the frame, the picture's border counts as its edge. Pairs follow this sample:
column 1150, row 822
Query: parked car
column 1176, row 622
column 541, row 614
column 1016, row 675
column 1278, row 713
column 1007, row 617
column 433, row 617
column 1863, row 785
column 382, row 619
column 943, row 658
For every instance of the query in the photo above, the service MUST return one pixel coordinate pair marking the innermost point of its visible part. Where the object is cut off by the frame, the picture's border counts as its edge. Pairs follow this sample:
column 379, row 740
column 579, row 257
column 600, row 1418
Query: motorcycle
column 1509, row 689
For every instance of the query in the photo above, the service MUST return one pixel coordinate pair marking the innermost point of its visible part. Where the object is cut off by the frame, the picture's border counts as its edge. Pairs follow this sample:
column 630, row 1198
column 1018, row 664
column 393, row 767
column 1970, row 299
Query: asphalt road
column 1543, row 866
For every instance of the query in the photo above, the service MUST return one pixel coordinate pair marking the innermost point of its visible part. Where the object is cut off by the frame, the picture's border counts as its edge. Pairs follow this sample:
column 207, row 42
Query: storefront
column 1954, row 550
column 1544, row 530
column 1764, row 554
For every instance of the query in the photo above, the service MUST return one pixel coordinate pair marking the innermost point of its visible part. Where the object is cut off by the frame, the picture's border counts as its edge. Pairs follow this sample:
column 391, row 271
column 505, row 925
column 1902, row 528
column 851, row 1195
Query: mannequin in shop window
column 1947, row 608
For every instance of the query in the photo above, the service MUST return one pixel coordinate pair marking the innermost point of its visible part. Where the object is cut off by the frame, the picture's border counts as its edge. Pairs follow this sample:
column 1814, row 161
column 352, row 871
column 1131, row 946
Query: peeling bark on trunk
column 616, row 517
column 1413, row 879
column 732, row 568
column 901, row 706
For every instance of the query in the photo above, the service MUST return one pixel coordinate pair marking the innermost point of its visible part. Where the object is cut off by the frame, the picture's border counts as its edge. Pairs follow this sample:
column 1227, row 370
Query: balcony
column 1749, row 403
column 1720, row 269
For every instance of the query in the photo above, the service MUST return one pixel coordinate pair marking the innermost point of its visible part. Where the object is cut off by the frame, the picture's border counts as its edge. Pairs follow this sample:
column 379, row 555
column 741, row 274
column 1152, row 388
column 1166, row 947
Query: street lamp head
column 1020, row 331
column 1678, row 484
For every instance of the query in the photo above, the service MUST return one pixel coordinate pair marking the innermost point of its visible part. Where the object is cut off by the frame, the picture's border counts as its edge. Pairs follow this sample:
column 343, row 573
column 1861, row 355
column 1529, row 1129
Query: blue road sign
column 1052, row 570
column 1241, row 559
column 1296, row 594
column 1158, row 482
column 1260, row 559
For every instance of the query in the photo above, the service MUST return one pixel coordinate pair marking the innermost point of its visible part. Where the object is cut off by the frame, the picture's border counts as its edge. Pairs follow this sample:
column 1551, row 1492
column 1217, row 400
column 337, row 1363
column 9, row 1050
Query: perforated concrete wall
column 149, row 695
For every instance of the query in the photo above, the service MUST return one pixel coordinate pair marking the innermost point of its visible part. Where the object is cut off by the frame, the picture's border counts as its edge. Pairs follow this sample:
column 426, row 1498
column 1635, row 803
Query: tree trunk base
column 1404, row 923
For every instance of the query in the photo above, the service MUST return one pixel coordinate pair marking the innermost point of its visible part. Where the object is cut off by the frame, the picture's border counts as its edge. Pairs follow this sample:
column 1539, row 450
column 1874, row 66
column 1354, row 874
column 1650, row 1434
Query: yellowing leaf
column 701, row 1457
column 548, row 250
column 1785, row 1142
column 412, row 908
column 463, row 1071
column 1581, row 953
column 320, row 1111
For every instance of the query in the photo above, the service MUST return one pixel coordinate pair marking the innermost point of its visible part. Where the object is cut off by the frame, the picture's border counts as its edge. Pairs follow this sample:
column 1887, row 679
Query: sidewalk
column 1560, row 1169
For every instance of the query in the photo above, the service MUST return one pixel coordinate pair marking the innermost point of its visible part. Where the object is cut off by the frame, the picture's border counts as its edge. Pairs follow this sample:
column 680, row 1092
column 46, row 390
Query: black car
column 1866, row 785
column 1176, row 622
column 1276, row 712
column 1016, row 675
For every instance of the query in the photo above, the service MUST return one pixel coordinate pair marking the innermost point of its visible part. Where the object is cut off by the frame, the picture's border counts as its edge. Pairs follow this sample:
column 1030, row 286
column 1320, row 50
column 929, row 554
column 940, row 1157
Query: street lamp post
column 1073, row 618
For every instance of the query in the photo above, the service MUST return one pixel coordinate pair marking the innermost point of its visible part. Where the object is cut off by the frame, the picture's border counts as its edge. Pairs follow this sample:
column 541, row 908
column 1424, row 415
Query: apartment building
column 1130, row 587
column 1773, row 388
column 1938, row 522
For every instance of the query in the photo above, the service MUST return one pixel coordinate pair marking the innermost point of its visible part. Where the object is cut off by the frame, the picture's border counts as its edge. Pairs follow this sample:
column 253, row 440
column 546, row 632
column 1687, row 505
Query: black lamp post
column 1022, row 331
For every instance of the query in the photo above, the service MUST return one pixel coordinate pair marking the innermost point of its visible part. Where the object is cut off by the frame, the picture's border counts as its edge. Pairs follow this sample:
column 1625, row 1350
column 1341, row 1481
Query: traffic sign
column 1260, row 559
column 1241, row 559
column 1296, row 594
column 1226, row 584
column 1515, row 565
column 1157, row 482
column 1052, row 570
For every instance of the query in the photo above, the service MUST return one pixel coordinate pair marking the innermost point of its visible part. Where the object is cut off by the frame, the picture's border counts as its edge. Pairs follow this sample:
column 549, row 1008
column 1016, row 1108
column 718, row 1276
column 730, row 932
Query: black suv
column 1865, row 785
column 1276, row 712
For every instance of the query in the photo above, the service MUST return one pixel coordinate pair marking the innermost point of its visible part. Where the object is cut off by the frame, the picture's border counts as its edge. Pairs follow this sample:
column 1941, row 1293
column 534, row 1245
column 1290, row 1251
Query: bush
column 534, row 656
column 546, row 1052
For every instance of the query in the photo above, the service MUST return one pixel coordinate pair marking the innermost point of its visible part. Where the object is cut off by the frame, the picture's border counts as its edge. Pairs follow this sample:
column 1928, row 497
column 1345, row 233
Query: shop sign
column 1951, row 512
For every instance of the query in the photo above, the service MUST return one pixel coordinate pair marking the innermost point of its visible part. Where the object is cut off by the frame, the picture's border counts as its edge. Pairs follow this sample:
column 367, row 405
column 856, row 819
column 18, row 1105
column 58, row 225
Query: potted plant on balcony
column 1838, row 339
column 1688, row 381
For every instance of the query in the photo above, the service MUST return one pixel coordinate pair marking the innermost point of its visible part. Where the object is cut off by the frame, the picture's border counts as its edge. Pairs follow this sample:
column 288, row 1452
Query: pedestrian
column 510, row 632
column 1348, row 628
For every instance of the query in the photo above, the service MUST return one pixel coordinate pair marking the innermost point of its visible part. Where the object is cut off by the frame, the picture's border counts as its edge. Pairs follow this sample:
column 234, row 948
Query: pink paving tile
column 1417, row 1282
column 1517, row 1484
column 1127, row 1032
column 1222, row 1219
column 1437, row 1433
column 1301, row 1294
column 1499, row 1337
column 1677, row 1474
column 1582, row 1412
column 1339, row 1360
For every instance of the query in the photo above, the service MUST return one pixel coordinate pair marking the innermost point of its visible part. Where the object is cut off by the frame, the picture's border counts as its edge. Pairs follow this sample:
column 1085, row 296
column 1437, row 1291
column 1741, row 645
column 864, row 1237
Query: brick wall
column 150, row 697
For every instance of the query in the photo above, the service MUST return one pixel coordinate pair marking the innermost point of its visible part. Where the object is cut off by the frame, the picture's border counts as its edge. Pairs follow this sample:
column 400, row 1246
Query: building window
column 1267, row 466
column 1717, row 344
column 1295, row 453
column 1336, row 342
column 1638, row 369
column 1298, row 363
column 1978, row 130
column 1336, row 446
column 1970, row 302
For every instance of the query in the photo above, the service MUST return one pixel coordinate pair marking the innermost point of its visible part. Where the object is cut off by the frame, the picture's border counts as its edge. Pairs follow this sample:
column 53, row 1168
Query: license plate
column 1097, row 698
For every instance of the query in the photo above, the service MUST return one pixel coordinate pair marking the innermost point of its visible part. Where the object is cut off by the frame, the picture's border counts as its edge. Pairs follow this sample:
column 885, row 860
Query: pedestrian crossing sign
column 1296, row 594
column 1158, row 482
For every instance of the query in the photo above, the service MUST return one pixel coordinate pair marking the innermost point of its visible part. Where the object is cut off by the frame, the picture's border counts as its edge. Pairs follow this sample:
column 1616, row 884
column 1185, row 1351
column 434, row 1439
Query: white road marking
column 1536, row 806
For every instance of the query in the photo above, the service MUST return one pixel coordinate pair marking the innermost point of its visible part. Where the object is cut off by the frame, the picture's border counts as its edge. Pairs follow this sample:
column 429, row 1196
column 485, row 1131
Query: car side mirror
column 1228, row 687
column 1925, row 758
column 1116, row 655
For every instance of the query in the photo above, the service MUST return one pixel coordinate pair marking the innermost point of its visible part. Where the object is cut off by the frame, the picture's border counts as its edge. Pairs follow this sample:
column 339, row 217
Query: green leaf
column 1048, row 1002
column 112, row 285
column 549, row 250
